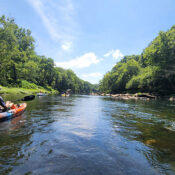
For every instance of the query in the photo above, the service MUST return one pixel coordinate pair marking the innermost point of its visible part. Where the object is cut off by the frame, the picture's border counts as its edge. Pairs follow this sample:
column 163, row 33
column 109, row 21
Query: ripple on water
column 89, row 135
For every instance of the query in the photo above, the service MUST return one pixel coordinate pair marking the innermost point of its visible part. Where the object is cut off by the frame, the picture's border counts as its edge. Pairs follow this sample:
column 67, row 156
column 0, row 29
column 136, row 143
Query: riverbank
column 141, row 96
column 14, row 90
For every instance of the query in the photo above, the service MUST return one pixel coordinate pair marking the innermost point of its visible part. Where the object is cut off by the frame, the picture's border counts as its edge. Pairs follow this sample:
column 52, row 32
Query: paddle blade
column 28, row 98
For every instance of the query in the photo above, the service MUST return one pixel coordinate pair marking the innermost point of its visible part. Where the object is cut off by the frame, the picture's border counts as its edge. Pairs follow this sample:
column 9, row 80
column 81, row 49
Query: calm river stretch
column 89, row 135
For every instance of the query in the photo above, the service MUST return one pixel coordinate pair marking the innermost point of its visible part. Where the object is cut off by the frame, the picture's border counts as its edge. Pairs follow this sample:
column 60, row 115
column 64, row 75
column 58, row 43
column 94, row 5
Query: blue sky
column 90, row 36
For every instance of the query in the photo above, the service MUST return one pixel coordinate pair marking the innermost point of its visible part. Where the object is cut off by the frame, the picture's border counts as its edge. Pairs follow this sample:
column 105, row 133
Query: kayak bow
column 13, row 112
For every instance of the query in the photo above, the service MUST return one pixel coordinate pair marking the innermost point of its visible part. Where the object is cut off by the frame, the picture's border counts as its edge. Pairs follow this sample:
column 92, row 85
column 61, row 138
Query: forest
column 20, row 66
column 153, row 71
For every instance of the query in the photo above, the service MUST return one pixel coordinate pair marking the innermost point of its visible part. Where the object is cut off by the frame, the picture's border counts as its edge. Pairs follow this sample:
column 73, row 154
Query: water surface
column 89, row 135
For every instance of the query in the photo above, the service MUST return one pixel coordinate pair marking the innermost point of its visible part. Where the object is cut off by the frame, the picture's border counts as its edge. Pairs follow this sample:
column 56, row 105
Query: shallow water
column 89, row 135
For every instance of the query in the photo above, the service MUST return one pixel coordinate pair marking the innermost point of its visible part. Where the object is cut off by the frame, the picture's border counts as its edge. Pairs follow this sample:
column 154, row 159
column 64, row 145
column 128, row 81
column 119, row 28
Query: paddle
column 27, row 98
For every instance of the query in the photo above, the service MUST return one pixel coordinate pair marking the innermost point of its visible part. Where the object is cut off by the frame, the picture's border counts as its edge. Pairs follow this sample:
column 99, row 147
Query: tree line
column 152, row 71
column 20, row 65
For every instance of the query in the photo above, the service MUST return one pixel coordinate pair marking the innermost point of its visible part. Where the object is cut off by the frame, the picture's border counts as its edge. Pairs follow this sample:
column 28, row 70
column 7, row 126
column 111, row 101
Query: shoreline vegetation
column 151, row 72
column 17, row 90
column 22, row 67
column 23, row 71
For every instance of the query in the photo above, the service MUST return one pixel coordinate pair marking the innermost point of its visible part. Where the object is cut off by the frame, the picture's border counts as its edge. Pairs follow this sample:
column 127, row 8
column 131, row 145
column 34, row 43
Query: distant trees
column 19, row 61
column 152, row 71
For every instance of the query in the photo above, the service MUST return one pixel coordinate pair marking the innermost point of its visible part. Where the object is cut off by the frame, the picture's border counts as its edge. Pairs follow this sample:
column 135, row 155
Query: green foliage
column 26, row 85
column 152, row 71
column 116, row 80
column 144, row 81
column 18, row 61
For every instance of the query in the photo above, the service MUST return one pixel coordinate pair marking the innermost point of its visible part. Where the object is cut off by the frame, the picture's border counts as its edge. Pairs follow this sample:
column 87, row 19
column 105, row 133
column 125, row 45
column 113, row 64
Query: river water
column 89, row 135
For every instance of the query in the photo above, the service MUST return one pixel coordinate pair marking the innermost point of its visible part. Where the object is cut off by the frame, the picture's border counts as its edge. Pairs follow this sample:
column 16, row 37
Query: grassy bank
column 14, row 90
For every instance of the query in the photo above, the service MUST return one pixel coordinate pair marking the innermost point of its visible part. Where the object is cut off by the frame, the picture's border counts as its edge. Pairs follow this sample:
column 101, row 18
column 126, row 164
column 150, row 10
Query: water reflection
column 11, row 143
column 147, row 122
column 89, row 135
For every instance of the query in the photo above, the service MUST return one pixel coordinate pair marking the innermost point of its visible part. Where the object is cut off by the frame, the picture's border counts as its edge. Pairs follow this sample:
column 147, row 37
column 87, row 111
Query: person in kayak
column 6, row 106
column 2, row 104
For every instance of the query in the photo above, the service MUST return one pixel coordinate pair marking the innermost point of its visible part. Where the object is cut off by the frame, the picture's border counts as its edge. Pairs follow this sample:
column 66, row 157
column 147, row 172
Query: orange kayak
column 13, row 112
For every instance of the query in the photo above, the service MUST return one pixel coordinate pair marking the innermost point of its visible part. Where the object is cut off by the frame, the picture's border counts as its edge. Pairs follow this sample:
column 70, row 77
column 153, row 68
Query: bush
column 144, row 81
column 27, row 85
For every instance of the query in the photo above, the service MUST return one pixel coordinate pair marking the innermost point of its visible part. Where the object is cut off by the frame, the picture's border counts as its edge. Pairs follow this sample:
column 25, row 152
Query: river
column 89, row 135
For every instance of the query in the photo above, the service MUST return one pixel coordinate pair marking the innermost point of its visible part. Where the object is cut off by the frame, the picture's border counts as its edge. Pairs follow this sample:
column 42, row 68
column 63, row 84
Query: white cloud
column 83, row 61
column 116, row 54
column 92, row 77
column 58, row 19
column 109, row 53
column 66, row 45
column 95, row 74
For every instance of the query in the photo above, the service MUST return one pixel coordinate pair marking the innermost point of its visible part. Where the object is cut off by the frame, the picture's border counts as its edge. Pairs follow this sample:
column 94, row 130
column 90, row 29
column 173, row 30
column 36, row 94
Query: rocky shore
column 133, row 96
column 142, row 96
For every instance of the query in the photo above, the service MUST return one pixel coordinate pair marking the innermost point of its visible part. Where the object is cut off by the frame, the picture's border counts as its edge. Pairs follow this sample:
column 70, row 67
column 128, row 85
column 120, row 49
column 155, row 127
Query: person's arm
column 2, row 103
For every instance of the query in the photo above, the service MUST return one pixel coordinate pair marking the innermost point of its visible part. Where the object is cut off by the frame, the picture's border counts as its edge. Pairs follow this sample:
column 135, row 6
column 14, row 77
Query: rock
column 150, row 141
column 172, row 98
column 145, row 95
column 133, row 96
